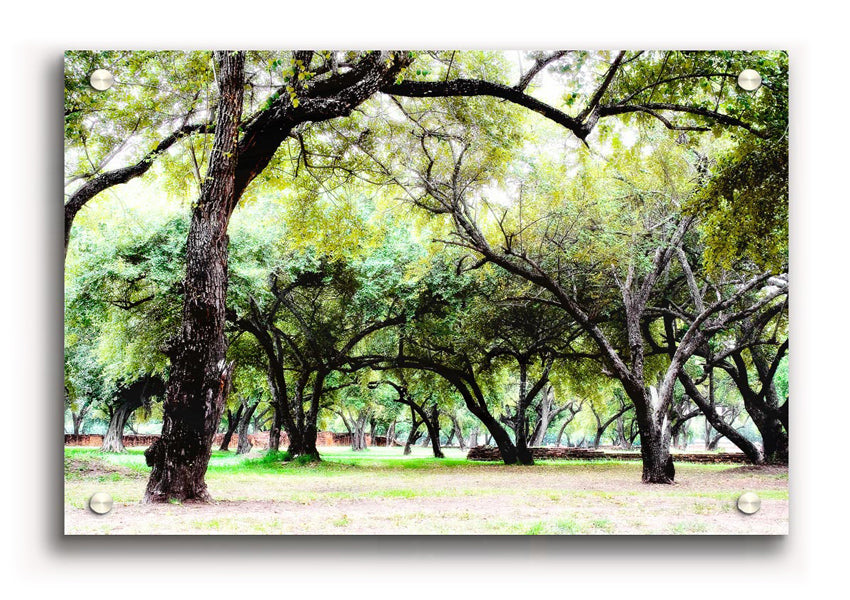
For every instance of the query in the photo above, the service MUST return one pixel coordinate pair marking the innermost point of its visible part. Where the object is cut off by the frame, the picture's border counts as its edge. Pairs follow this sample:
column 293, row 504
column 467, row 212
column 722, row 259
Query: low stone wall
column 259, row 440
column 567, row 453
column 86, row 439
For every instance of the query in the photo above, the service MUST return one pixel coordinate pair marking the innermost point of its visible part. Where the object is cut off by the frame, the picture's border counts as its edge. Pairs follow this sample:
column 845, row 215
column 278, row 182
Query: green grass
column 343, row 521
column 535, row 529
column 689, row 527
column 603, row 525
column 568, row 526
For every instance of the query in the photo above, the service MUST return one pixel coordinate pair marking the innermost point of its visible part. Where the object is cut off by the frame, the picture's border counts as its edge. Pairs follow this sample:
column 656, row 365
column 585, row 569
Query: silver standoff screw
column 100, row 503
column 749, row 80
column 101, row 79
column 749, row 503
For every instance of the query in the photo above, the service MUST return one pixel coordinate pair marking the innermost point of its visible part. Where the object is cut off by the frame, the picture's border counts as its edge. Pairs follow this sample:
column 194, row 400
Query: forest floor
column 379, row 491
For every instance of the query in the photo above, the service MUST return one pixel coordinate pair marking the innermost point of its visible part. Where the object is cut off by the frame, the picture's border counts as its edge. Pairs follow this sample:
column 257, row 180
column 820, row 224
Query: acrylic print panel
column 455, row 292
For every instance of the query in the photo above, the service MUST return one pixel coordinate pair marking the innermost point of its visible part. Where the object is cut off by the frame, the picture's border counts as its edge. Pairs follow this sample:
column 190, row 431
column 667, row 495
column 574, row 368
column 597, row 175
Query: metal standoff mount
column 749, row 503
column 749, row 80
column 101, row 79
column 100, row 503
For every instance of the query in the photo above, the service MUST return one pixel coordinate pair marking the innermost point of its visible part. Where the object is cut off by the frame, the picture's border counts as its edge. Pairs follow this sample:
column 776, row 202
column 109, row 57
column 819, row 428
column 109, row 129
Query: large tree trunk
column 433, row 425
column 496, row 433
column 475, row 403
column 654, row 427
column 200, row 376
column 274, row 432
column 773, row 436
column 294, row 418
column 521, row 422
column 311, row 422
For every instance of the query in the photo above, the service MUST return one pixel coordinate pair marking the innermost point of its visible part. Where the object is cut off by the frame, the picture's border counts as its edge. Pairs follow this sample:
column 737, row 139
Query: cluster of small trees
column 424, row 237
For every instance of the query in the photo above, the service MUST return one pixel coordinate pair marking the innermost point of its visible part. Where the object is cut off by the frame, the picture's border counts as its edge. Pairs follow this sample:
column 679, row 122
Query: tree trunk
column 413, row 435
column 274, row 432
column 544, row 415
column 232, row 424
column 113, row 440
column 523, row 454
column 433, row 425
column 621, row 433
column 714, row 420
column 200, row 376
column 244, row 446
column 450, row 437
column 762, row 406
column 294, row 423
column 561, row 433
column 458, row 432
column 357, row 429
column 654, row 427
column 132, row 397
column 311, row 423
column 77, row 419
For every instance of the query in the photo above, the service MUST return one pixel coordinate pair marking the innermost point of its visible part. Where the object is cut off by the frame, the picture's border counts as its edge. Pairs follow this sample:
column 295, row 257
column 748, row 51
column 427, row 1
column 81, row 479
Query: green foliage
column 335, row 224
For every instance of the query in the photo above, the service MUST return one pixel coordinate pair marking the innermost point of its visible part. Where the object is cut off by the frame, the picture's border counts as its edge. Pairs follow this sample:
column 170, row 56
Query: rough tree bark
column 200, row 376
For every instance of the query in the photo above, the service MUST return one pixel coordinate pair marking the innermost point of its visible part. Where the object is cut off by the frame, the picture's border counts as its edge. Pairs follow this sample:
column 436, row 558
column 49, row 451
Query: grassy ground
column 381, row 491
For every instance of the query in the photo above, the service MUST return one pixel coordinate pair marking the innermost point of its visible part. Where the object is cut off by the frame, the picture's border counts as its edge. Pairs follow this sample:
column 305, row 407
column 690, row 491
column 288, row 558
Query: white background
column 810, row 562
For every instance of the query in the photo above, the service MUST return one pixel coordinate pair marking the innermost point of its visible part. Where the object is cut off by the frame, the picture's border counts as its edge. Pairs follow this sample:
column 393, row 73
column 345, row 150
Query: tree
column 199, row 378
column 320, row 312
column 425, row 411
column 129, row 398
column 552, row 261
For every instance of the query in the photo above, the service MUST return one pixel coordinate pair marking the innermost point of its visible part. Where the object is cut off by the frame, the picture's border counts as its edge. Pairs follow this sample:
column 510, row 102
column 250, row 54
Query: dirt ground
column 551, row 498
